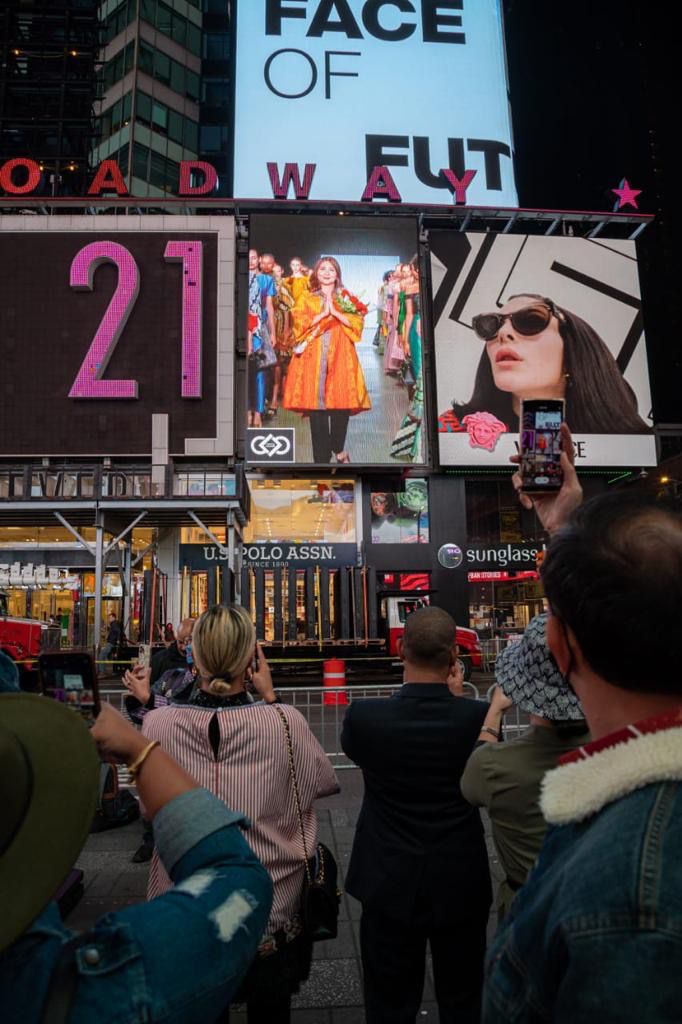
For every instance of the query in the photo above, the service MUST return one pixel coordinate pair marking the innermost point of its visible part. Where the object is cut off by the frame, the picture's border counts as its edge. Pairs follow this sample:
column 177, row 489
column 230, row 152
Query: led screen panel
column 103, row 330
column 335, row 342
column 576, row 333
column 344, row 86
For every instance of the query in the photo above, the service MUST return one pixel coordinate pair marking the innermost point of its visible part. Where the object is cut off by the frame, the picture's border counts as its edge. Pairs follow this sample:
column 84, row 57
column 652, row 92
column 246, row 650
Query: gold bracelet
column 134, row 768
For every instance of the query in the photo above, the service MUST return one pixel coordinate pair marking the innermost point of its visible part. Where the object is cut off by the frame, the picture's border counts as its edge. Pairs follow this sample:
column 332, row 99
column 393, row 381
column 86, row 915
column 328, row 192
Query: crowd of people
column 585, row 807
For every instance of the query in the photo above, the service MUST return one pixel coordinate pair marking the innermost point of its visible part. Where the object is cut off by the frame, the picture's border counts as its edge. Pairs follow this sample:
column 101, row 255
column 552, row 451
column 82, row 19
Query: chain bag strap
column 320, row 898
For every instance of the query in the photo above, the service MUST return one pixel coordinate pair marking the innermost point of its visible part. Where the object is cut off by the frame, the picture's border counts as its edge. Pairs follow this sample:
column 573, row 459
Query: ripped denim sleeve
column 198, row 939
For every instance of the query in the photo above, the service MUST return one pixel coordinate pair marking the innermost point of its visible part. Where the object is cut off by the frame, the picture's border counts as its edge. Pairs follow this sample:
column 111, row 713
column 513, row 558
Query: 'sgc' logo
column 271, row 445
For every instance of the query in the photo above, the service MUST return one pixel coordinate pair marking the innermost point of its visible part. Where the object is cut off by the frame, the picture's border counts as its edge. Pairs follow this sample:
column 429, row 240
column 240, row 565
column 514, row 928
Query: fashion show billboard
column 328, row 90
column 112, row 339
column 334, row 342
column 519, row 316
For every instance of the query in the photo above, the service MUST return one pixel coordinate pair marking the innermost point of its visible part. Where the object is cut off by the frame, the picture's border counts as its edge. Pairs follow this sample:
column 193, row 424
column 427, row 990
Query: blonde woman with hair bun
column 235, row 747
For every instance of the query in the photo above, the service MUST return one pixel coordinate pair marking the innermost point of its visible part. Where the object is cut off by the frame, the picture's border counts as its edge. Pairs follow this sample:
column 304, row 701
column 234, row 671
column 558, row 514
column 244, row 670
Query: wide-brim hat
column 48, row 794
column 527, row 673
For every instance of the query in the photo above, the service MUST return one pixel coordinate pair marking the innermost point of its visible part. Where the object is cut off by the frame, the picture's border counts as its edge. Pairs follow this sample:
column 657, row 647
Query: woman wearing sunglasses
column 536, row 349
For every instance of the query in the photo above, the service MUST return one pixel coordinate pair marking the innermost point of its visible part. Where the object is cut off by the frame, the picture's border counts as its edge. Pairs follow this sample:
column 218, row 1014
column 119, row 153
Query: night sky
column 594, row 87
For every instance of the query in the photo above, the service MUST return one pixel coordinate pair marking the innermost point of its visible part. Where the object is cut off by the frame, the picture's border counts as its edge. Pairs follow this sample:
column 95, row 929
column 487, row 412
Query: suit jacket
column 419, row 846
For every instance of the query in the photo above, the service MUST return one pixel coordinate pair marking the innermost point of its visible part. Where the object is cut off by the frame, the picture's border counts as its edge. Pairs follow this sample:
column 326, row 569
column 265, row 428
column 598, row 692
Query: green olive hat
column 49, row 773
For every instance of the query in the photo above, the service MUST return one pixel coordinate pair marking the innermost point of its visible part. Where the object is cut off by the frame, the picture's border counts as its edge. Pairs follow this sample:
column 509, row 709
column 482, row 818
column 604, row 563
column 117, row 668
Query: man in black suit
column 419, row 864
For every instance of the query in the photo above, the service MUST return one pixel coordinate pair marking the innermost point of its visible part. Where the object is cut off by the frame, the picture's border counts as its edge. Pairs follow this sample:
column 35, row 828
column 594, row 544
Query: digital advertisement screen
column 334, row 342
column 336, row 89
column 401, row 517
column 519, row 317
column 102, row 330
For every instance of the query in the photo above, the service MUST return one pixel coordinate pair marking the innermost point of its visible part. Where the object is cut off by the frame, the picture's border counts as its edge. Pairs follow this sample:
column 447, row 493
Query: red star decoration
column 627, row 196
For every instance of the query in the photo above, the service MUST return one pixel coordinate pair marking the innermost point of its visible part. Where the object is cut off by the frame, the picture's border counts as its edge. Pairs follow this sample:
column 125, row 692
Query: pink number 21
column 89, row 382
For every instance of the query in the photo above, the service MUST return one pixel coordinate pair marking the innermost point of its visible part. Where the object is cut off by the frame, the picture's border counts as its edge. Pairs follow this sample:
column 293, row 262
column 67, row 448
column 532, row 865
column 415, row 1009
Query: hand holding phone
column 540, row 445
column 554, row 508
column 70, row 678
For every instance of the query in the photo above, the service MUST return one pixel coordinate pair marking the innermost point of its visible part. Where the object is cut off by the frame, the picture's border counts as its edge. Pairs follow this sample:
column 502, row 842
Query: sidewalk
column 333, row 993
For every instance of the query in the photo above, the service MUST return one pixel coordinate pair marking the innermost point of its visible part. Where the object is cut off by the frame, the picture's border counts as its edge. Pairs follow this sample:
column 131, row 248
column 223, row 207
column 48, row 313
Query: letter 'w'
column 291, row 175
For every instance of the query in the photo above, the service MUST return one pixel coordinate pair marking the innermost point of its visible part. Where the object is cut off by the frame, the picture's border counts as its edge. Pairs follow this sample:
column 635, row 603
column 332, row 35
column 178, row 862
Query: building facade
column 173, row 467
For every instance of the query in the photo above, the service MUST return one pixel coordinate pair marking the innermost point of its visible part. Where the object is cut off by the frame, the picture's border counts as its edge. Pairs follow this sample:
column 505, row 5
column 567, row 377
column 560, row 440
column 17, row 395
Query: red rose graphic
column 483, row 429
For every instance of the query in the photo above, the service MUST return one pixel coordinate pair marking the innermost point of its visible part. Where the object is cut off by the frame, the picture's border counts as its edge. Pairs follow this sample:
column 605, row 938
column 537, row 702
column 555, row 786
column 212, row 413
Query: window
column 216, row 46
column 157, row 170
column 144, row 108
column 193, row 39
column 175, row 126
column 191, row 135
column 160, row 117
column 140, row 161
column 192, row 86
column 164, row 18
column 179, row 30
column 162, row 67
column 213, row 138
column 215, row 92
column 177, row 78
column 146, row 58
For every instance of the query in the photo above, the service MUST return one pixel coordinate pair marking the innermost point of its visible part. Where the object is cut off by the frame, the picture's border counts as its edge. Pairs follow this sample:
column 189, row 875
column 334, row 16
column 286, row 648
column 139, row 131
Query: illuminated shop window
column 302, row 511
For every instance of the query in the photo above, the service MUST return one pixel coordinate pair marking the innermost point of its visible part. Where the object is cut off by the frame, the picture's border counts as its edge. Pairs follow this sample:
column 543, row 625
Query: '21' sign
column 90, row 382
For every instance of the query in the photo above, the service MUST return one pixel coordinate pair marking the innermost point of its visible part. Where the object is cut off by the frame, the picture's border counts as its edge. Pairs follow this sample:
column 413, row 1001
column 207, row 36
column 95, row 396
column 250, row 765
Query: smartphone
column 540, row 445
column 144, row 655
column 70, row 677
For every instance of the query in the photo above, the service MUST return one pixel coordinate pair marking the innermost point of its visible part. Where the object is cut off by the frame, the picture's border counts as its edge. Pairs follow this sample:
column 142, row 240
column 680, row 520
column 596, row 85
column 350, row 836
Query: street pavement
column 333, row 993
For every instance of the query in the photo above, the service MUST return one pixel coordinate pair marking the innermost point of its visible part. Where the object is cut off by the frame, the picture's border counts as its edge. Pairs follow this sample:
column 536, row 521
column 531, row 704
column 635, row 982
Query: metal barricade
column 326, row 719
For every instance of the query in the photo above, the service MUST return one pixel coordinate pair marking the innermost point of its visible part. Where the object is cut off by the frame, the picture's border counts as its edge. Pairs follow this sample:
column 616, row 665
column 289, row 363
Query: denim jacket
column 178, row 959
column 595, row 935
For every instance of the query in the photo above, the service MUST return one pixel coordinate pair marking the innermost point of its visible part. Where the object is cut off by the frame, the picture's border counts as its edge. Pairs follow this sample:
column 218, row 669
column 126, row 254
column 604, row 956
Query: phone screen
column 540, row 445
column 70, row 678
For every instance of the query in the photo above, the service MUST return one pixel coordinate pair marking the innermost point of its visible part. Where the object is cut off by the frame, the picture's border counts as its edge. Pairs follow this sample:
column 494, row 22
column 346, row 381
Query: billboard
column 519, row 316
column 401, row 517
column 112, row 339
column 333, row 89
column 334, row 341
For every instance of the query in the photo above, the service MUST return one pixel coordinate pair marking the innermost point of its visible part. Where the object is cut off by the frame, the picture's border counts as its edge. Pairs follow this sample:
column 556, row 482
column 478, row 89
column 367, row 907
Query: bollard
column 334, row 676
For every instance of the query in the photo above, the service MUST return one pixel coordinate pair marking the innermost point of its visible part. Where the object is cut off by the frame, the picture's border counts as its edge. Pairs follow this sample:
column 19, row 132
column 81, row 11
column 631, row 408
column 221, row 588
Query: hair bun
column 220, row 686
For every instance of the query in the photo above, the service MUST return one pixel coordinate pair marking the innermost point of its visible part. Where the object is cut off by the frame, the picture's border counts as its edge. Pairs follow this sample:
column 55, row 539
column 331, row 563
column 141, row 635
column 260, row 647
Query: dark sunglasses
column 527, row 321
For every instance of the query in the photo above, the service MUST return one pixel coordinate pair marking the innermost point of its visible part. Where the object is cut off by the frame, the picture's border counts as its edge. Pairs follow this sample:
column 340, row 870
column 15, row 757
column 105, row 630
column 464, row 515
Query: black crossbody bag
column 320, row 897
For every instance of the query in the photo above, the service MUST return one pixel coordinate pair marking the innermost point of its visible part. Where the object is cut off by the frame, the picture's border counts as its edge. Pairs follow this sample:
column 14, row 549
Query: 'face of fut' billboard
column 334, row 88
column 529, row 317
column 113, row 342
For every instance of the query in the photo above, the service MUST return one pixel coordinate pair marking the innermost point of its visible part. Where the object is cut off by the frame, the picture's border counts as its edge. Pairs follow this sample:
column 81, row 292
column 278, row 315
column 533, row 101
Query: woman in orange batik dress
column 325, row 381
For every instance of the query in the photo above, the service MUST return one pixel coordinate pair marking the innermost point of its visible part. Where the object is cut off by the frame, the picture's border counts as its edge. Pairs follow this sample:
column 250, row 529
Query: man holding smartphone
column 595, row 934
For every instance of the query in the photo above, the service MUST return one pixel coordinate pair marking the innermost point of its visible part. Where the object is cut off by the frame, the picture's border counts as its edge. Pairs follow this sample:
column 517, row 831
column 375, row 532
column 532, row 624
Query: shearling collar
column 604, row 771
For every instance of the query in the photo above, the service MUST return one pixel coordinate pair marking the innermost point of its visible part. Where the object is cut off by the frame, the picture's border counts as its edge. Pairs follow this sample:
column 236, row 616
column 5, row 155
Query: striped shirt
column 250, row 772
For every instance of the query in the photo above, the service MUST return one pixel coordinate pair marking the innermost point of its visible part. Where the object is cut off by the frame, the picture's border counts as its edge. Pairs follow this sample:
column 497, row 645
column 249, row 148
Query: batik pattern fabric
column 325, row 373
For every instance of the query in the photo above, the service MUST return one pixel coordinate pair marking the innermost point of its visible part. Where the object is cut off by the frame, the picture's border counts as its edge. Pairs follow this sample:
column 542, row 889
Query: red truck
column 24, row 639
column 397, row 610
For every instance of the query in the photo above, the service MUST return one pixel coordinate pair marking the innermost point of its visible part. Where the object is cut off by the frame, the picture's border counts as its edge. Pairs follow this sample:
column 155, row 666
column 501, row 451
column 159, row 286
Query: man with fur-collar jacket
column 595, row 935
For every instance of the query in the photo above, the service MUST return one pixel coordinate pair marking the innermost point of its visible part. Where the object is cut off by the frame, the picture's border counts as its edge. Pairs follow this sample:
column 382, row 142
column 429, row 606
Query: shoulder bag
column 320, row 897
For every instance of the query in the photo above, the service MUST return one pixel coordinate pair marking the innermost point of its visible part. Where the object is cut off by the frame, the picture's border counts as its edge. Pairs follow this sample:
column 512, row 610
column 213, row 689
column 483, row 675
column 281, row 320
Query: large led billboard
column 334, row 332
column 335, row 88
column 519, row 316
column 114, row 341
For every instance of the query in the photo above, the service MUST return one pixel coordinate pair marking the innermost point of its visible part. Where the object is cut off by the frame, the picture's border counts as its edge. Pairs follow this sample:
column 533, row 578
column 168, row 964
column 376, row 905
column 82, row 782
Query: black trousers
column 271, row 981
column 393, row 962
column 328, row 433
